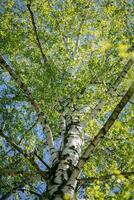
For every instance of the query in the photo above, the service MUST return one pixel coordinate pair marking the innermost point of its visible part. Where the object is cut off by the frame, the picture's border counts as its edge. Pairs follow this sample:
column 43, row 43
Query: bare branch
column 36, row 32
column 41, row 160
column 101, row 134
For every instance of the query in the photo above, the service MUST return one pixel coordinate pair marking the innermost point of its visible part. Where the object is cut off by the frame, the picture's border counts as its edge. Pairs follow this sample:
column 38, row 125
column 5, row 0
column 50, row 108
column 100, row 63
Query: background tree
column 66, row 83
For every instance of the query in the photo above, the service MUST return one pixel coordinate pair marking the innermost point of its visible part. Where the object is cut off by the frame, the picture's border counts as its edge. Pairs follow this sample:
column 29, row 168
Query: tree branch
column 110, row 91
column 41, row 160
column 35, row 31
column 26, row 132
column 41, row 117
column 86, row 181
column 58, row 26
column 131, row 102
column 19, row 187
column 24, row 153
column 30, row 191
column 7, row 194
column 12, row 172
column 101, row 134
column 77, row 39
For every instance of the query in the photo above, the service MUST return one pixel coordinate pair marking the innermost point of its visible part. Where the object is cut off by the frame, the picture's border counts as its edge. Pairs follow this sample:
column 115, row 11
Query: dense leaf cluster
column 73, row 55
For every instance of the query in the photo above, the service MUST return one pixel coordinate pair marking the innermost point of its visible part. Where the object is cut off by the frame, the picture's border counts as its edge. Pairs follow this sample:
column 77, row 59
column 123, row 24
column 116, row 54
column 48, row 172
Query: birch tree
column 66, row 99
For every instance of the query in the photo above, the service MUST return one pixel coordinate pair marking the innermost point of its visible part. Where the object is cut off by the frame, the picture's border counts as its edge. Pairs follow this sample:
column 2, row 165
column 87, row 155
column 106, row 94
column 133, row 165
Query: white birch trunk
column 69, row 158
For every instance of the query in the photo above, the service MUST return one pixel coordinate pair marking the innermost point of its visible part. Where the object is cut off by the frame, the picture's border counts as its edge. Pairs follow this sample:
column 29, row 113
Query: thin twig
column 36, row 32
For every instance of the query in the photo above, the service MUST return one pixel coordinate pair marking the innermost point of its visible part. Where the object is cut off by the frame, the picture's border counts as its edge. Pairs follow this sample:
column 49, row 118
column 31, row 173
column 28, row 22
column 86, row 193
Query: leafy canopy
column 86, row 45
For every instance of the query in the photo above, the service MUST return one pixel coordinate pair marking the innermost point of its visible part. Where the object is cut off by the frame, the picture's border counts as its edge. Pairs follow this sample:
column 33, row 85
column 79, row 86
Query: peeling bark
column 67, row 161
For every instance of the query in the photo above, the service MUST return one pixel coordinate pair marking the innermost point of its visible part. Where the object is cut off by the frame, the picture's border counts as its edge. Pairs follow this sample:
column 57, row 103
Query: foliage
column 86, row 44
